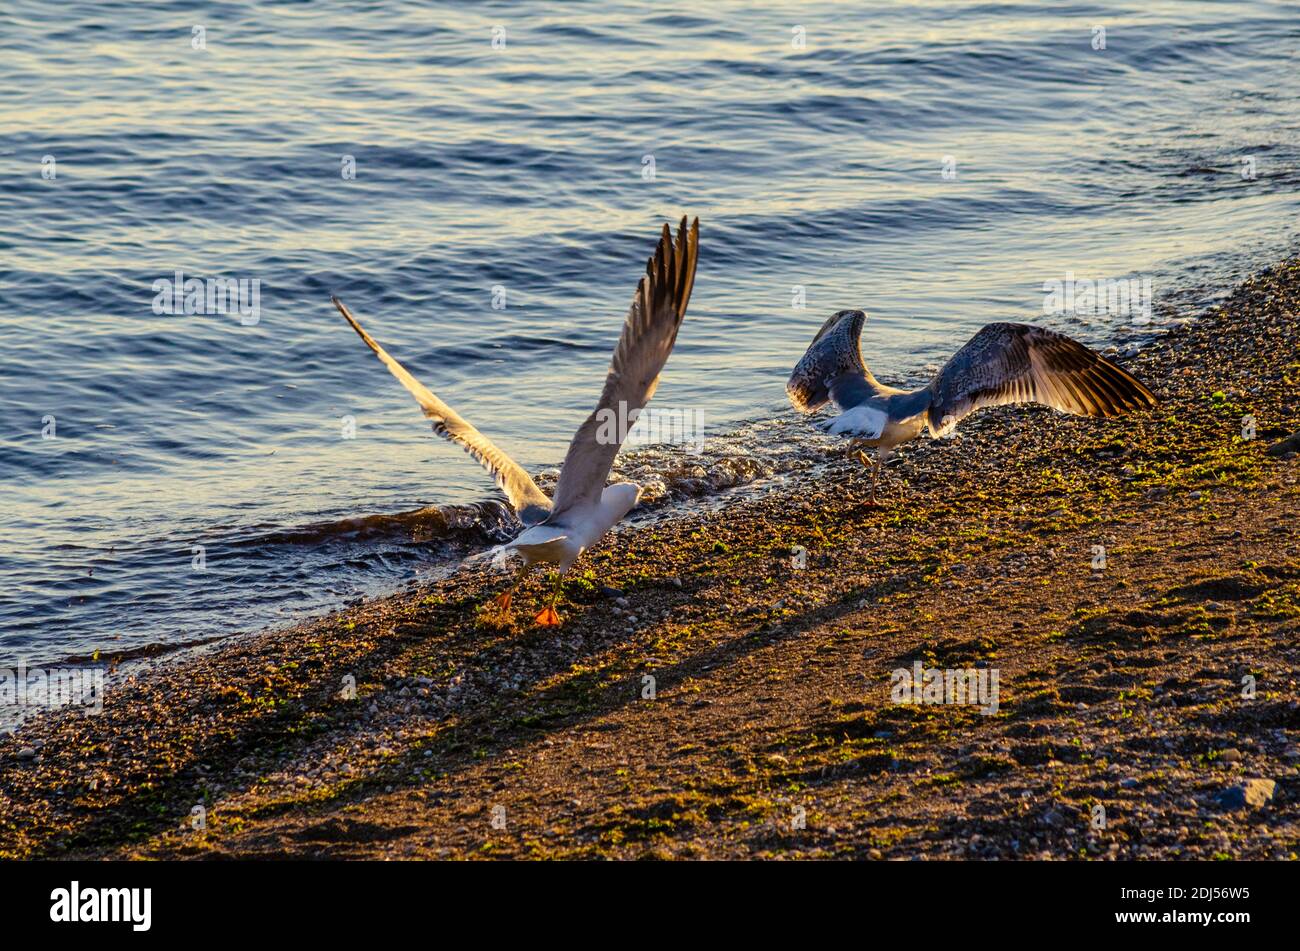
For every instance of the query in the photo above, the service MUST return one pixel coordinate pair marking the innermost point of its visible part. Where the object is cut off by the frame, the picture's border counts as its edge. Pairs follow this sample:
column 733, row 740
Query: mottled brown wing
column 833, row 353
column 1017, row 363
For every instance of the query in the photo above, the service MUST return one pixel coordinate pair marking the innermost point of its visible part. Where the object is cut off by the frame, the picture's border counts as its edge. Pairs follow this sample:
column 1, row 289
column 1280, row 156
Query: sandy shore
column 771, row 630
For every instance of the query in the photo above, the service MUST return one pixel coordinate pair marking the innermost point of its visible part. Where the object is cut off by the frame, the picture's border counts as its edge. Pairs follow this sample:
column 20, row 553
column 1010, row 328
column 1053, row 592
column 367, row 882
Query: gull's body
column 584, row 509
column 561, row 541
column 1002, row 364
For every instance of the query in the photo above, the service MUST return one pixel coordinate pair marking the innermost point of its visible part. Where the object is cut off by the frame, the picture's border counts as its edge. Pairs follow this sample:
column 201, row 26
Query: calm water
column 524, row 167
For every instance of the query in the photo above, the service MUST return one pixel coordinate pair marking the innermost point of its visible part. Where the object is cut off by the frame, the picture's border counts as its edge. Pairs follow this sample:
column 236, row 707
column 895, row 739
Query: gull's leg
column 548, row 616
column 502, row 600
column 874, row 466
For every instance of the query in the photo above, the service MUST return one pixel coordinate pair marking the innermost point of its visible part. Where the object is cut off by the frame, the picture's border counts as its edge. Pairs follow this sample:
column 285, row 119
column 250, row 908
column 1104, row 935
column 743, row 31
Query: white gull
column 584, row 509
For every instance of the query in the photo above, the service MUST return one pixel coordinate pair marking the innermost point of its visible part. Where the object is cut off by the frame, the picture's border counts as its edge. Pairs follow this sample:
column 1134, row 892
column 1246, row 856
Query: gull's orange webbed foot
column 502, row 601
column 547, row 617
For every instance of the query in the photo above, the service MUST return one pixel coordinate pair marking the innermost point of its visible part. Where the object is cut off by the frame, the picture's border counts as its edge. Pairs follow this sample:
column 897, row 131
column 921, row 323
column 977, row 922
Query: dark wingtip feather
column 1131, row 393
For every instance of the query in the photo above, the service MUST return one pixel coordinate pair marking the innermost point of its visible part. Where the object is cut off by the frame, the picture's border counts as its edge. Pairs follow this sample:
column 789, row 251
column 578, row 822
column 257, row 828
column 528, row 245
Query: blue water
column 820, row 167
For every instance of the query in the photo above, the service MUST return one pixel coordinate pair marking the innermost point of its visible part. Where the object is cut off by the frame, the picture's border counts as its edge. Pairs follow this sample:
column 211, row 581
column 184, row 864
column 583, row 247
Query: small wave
column 484, row 520
column 668, row 474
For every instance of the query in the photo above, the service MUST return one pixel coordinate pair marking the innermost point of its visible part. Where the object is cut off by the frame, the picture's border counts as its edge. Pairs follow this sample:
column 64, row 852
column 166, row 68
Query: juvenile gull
column 1003, row 363
column 584, row 508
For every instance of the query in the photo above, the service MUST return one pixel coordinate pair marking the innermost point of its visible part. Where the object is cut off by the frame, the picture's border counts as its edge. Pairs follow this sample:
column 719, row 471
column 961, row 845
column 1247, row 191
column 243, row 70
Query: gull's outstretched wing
column 1017, row 363
column 528, row 501
column 832, row 367
column 648, row 337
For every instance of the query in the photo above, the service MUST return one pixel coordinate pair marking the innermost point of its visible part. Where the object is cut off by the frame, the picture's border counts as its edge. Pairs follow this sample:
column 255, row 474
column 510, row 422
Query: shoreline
column 465, row 525
column 739, row 459
column 771, row 627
